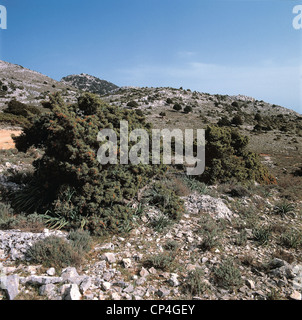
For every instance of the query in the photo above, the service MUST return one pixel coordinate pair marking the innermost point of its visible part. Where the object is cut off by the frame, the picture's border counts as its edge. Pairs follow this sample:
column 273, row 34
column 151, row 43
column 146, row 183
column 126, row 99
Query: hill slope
column 29, row 87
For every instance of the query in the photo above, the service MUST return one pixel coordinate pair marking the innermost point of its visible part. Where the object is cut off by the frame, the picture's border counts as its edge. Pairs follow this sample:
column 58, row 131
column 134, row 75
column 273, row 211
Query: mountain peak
column 87, row 82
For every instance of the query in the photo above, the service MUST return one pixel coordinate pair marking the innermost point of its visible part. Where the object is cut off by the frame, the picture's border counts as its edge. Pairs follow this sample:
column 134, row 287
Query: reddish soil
column 6, row 141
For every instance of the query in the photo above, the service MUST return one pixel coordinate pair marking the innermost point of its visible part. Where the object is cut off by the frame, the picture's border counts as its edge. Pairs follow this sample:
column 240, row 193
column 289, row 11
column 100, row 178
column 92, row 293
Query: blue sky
column 229, row 46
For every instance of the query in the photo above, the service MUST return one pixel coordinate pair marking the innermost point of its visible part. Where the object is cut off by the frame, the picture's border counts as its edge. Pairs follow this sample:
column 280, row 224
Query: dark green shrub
column 169, row 101
column 237, row 120
column 210, row 240
column 54, row 252
column 139, row 112
column 227, row 158
column 298, row 172
column 207, row 224
column 188, row 109
column 177, row 107
column 132, row 104
column 13, row 119
column 210, row 230
column 258, row 117
column 69, row 182
column 20, row 109
column 224, row 122
column 178, row 185
column 239, row 191
column 235, row 104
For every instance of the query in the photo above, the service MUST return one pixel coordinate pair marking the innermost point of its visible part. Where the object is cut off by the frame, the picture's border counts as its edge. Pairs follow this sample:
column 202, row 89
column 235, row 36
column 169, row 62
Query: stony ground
column 119, row 267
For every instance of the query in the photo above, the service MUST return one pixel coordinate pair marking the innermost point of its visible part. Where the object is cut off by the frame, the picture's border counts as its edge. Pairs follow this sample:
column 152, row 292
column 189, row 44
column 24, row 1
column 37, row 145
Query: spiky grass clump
column 284, row 209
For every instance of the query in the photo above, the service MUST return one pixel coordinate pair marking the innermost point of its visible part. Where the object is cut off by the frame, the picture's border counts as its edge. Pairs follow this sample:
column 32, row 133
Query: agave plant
column 283, row 209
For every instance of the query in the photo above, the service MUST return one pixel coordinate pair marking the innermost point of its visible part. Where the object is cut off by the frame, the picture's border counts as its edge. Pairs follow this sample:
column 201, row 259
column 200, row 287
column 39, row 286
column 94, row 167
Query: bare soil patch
column 6, row 141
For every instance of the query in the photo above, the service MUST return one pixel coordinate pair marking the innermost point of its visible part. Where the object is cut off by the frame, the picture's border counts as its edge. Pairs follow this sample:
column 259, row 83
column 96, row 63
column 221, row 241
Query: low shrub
column 210, row 240
column 178, row 185
column 6, row 212
column 237, row 121
column 227, row 275
column 224, row 122
column 195, row 285
column 195, row 185
column 241, row 238
column 239, row 191
column 29, row 223
column 81, row 240
column 20, row 109
column 171, row 245
column 162, row 261
column 298, row 172
column 54, row 252
column 210, row 230
column 13, row 120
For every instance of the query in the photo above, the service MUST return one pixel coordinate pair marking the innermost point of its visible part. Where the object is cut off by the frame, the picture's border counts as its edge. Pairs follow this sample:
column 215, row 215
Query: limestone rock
column 10, row 284
column 72, row 292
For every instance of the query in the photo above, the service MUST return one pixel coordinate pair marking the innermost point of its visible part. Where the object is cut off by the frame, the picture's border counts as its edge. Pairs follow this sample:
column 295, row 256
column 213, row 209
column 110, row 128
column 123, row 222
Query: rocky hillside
column 232, row 242
column 86, row 82
column 29, row 87
column 227, row 246
column 212, row 106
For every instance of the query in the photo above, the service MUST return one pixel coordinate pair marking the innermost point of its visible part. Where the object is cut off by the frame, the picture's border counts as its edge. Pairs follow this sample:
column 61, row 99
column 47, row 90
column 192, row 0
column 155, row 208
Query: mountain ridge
column 32, row 87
